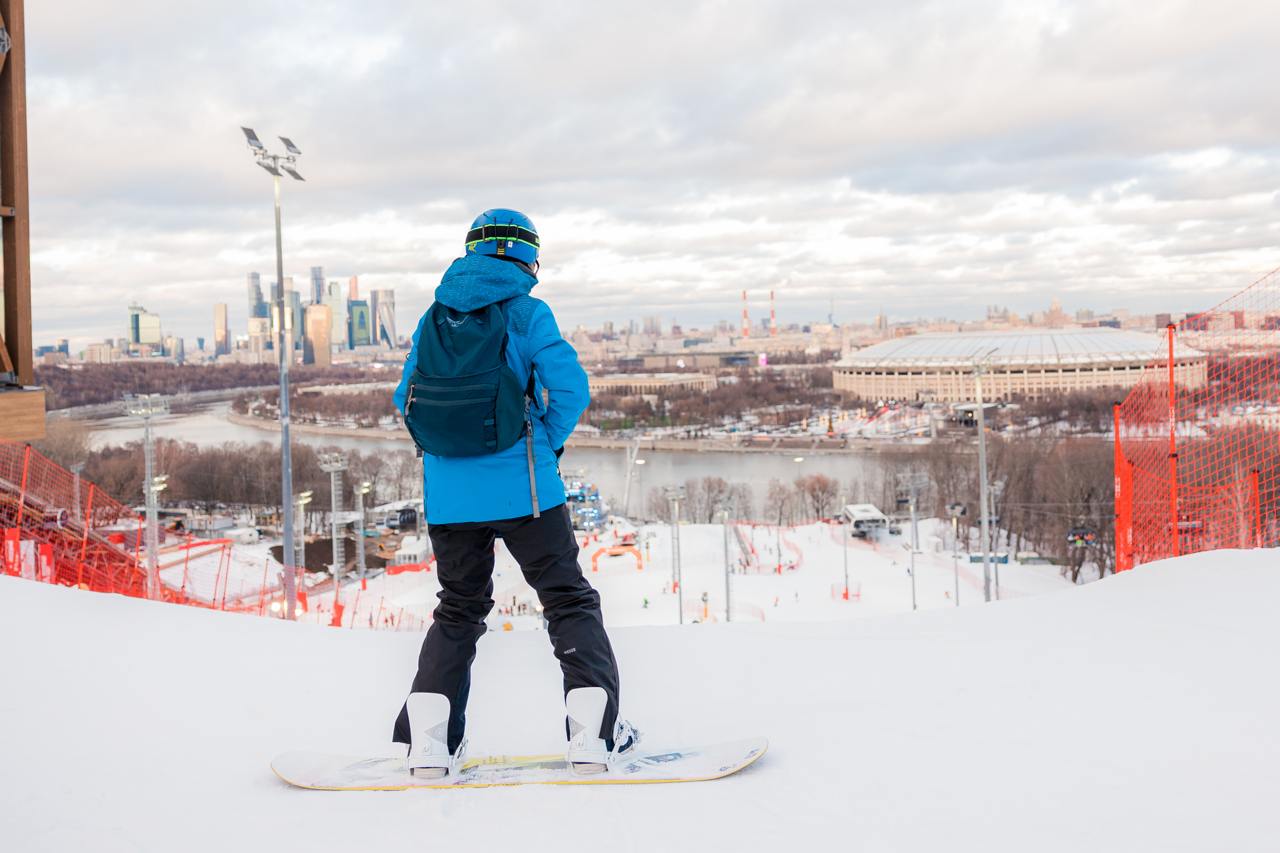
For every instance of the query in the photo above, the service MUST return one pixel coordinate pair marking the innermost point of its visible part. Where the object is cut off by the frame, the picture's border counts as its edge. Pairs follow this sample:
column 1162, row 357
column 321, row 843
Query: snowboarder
column 472, row 396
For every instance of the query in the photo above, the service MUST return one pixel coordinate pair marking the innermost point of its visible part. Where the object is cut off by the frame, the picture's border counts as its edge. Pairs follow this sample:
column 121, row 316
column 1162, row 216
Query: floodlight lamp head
column 252, row 138
column 269, row 166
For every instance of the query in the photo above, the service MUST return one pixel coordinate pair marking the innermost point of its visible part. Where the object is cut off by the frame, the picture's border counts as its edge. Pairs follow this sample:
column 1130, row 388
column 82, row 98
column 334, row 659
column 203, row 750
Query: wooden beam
column 22, row 414
column 16, row 229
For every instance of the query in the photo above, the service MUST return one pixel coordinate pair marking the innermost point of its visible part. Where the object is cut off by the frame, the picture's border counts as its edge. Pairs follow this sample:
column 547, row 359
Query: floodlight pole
column 674, row 496
column 273, row 163
column 153, row 511
column 913, row 484
column 979, row 367
column 284, row 345
column 844, row 545
column 728, row 591
column 915, row 546
column 955, row 553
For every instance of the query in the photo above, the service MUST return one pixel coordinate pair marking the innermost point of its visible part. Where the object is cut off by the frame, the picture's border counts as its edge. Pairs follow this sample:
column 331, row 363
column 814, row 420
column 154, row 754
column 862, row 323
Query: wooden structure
column 21, row 405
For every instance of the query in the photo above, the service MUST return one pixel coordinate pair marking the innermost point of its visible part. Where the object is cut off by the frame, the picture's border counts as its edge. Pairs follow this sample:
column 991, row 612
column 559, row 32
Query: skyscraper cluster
column 323, row 325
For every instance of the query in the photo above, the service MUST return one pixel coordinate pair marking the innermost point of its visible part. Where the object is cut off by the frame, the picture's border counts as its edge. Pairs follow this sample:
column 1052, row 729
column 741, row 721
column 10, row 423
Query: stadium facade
column 1028, row 364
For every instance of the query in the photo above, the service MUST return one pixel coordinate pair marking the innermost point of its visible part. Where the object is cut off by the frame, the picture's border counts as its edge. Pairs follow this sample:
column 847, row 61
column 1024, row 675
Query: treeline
column 1043, row 488
column 370, row 408
column 1077, row 411
column 793, row 392
column 704, row 501
column 233, row 475
column 780, row 398
column 88, row 384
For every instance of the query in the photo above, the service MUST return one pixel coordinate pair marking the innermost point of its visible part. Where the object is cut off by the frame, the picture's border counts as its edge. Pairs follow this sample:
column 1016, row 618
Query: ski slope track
column 1138, row 713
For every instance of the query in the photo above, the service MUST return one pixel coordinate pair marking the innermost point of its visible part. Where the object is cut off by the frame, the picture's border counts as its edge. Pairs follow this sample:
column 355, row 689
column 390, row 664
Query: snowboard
column 319, row 771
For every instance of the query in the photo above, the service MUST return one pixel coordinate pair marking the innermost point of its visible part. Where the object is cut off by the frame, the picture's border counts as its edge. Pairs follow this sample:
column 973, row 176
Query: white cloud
column 919, row 158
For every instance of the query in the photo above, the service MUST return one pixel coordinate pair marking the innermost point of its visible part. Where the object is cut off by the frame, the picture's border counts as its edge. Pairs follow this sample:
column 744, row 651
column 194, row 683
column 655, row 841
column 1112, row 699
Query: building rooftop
column 1024, row 346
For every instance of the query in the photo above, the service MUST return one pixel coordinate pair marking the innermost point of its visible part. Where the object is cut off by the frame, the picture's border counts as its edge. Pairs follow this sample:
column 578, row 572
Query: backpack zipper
column 528, row 444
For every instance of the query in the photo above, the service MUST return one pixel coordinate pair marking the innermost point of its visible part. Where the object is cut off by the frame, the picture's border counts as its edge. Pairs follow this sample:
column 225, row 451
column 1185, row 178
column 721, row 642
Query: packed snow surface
column 1134, row 714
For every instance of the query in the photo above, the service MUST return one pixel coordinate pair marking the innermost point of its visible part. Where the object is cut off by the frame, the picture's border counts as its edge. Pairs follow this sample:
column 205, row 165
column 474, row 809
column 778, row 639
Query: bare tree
column 818, row 492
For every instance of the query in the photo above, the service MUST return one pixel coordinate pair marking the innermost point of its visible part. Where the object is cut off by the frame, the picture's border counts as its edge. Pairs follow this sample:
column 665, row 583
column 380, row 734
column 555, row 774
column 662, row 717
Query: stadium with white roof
column 1028, row 364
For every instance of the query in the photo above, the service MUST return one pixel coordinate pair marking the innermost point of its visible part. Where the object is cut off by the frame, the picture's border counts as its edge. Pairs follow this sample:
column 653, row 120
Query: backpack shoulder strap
column 510, row 308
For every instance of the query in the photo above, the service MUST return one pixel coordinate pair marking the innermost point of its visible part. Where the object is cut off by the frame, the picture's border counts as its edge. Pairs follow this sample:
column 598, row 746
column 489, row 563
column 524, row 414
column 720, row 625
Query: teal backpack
column 463, row 399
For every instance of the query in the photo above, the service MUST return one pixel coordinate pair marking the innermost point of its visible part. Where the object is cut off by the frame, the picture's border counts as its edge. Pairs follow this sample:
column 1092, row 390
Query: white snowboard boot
column 588, row 753
column 429, row 730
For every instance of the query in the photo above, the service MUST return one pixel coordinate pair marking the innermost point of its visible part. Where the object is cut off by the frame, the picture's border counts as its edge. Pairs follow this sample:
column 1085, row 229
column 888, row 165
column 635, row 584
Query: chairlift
column 1081, row 537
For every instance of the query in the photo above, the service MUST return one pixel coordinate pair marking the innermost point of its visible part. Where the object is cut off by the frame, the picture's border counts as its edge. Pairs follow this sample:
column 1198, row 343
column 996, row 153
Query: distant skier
column 472, row 396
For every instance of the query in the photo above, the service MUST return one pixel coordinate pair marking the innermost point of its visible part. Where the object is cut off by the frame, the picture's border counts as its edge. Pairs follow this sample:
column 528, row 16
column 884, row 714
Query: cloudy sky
column 924, row 159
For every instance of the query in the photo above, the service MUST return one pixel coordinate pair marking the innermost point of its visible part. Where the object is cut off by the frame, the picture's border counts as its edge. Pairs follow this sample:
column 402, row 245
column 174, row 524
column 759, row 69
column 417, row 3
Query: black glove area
column 560, row 452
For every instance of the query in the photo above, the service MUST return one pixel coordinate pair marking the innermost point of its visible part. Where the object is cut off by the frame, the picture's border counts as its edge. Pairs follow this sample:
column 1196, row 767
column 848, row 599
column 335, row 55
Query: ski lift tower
column 361, row 490
column 334, row 464
column 275, row 164
column 910, row 486
column 981, row 364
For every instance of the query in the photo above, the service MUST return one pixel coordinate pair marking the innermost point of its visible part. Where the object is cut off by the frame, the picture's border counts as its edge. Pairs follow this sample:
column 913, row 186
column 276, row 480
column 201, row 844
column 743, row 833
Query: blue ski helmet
column 504, row 233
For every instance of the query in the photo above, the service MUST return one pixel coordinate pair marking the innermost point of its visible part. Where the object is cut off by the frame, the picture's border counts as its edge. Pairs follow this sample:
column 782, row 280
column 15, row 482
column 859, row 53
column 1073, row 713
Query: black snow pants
column 547, row 551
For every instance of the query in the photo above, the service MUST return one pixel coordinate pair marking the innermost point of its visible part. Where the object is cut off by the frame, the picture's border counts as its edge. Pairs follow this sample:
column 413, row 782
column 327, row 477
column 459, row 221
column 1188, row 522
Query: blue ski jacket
column 496, row 486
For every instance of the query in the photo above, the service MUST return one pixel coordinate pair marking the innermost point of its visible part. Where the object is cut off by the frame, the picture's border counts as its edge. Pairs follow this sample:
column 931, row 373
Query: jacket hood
column 474, row 281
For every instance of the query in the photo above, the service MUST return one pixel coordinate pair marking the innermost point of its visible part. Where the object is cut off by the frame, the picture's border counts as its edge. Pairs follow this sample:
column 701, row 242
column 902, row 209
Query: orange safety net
column 62, row 529
column 94, row 539
column 1197, row 440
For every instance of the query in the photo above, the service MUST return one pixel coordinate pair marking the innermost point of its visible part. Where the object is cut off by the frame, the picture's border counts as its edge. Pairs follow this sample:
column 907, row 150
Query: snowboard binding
column 429, row 756
column 588, row 753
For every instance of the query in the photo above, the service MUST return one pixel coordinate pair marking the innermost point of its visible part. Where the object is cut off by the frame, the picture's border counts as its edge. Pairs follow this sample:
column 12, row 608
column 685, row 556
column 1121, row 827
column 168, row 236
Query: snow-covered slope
column 1138, row 713
column 808, row 588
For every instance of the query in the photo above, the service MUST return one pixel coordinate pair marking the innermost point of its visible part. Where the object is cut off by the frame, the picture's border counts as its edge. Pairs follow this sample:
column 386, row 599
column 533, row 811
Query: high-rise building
column 273, row 309
column 259, row 334
column 317, row 285
column 382, row 311
column 296, row 317
column 257, row 305
column 315, row 349
column 353, row 287
column 221, row 332
column 338, row 310
column 144, row 327
column 358, row 326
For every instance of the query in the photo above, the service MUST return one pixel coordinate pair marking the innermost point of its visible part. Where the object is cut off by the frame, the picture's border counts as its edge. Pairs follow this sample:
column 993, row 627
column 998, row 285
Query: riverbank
column 814, row 445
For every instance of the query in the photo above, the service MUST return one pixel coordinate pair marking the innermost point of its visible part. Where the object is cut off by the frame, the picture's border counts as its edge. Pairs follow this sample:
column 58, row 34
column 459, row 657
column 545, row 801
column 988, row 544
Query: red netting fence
column 1197, row 441
column 62, row 529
